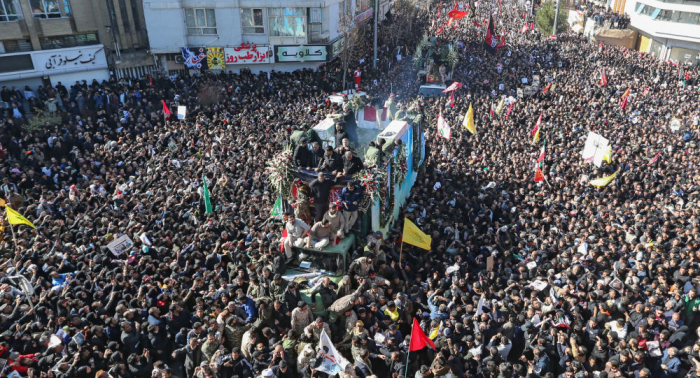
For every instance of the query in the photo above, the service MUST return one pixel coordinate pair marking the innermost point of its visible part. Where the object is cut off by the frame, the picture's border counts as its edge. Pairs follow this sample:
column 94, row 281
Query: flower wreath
column 280, row 172
column 399, row 166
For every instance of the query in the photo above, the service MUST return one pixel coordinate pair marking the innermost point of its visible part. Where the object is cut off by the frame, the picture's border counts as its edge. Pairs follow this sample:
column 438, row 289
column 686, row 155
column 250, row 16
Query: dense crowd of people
column 524, row 279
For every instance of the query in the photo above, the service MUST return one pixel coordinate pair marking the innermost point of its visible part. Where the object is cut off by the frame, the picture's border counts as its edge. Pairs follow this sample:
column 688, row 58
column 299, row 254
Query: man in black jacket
column 321, row 189
column 316, row 156
column 192, row 354
column 302, row 155
column 351, row 164
column 331, row 162
column 235, row 364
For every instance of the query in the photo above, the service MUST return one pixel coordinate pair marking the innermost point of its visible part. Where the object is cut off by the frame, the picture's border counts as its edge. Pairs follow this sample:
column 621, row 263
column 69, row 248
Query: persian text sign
column 248, row 53
column 301, row 53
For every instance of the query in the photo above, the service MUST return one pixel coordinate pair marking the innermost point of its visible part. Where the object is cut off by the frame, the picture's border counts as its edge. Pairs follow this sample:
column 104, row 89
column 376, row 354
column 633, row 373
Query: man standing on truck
column 337, row 221
column 350, row 198
column 321, row 189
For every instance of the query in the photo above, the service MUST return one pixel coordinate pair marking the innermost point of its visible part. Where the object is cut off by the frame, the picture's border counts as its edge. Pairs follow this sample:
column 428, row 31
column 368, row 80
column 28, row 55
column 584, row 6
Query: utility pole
column 556, row 18
column 376, row 16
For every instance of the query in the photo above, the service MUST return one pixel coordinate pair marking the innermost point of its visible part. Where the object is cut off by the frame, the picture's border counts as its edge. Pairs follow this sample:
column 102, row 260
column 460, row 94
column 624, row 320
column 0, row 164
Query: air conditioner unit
column 179, row 59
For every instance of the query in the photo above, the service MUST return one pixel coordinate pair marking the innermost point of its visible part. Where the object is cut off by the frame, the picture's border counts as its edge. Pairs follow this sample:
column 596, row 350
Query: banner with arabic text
column 194, row 57
column 215, row 58
column 248, row 53
column 301, row 53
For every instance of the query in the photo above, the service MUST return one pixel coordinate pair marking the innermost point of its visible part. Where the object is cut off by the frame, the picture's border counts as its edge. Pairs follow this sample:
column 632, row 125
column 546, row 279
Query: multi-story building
column 261, row 35
column 46, row 41
column 668, row 29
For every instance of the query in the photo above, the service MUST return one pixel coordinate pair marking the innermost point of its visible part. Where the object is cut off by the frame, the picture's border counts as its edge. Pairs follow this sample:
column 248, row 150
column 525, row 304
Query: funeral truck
column 309, row 266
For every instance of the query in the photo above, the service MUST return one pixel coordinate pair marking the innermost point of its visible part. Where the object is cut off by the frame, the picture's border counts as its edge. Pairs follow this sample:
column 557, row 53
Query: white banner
column 247, row 54
column 120, row 245
column 181, row 112
column 331, row 362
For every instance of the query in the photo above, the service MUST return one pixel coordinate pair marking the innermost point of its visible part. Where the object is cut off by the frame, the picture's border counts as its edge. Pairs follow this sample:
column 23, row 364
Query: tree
column 545, row 19
column 210, row 95
column 353, row 40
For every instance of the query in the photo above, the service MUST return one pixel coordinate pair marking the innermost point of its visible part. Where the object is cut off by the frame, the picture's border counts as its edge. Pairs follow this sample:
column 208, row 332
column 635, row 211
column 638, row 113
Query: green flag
column 277, row 208
column 207, row 200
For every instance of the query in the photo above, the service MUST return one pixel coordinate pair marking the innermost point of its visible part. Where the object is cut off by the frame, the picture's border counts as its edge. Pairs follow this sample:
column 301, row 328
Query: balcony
column 13, row 29
column 55, row 26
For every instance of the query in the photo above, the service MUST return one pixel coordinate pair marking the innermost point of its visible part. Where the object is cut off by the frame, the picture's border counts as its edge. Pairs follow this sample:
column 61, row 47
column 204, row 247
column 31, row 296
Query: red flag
column 150, row 80
column 524, row 29
column 547, row 88
column 491, row 41
column 652, row 161
column 537, row 125
column 284, row 235
column 539, row 176
column 510, row 107
column 532, row 26
column 439, row 11
column 166, row 111
column 452, row 87
column 457, row 14
column 476, row 24
column 604, row 79
column 600, row 45
column 440, row 30
column 370, row 114
column 452, row 99
column 623, row 104
column 419, row 340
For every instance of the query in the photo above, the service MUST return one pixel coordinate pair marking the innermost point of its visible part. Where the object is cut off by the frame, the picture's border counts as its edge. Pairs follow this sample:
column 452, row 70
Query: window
column 66, row 7
column 16, row 63
column 135, row 13
column 252, row 21
column 49, row 43
column 287, row 22
column 688, row 18
column 10, row 10
column 200, row 21
column 362, row 5
column 125, row 14
column 45, row 8
column 13, row 46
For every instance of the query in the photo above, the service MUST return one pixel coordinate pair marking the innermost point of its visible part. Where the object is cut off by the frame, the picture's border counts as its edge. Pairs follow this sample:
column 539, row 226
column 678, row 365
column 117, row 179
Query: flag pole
column 408, row 357
column 401, row 252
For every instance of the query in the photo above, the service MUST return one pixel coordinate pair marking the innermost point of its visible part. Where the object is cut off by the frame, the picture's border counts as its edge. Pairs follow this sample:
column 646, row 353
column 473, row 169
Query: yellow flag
column 16, row 218
column 414, row 236
column 500, row 105
column 536, row 138
column 608, row 155
column 603, row 181
column 468, row 122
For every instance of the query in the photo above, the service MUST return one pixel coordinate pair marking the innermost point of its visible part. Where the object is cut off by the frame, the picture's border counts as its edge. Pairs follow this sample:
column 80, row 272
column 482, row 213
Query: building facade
column 260, row 35
column 668, row 29
column 46, row 41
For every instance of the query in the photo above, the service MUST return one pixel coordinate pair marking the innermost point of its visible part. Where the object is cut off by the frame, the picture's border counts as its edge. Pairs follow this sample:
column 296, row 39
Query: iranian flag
column 540, row 158
column 537, row 125
column 443, row 127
